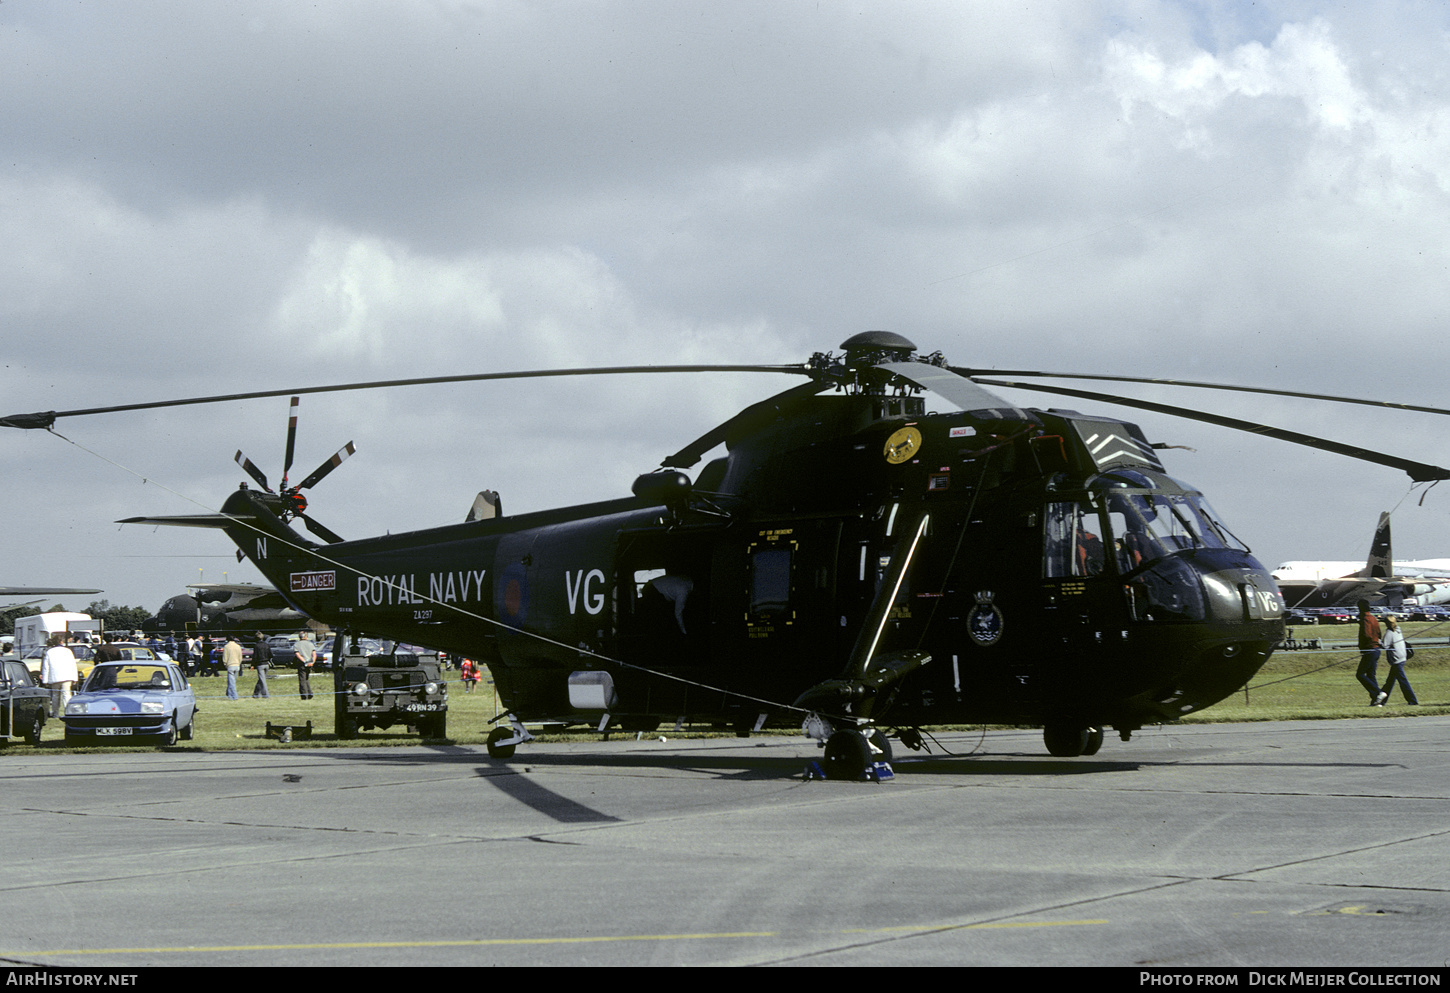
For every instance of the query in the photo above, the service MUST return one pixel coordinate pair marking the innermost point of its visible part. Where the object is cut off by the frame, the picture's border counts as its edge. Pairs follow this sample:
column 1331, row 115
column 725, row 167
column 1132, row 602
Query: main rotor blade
column 1420, row 472
column 326, row 467
column 974, row 373
column 952, row 385
column 44, row 419
column 291, row 439
column 761, row 411
column 252, row 470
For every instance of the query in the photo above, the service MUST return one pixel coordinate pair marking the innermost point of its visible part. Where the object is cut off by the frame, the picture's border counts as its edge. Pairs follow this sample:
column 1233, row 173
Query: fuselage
column 1046, row 584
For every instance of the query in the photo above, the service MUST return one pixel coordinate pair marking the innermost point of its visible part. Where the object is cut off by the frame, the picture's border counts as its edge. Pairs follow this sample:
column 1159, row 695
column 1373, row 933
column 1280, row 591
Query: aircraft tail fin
column 1381, row 558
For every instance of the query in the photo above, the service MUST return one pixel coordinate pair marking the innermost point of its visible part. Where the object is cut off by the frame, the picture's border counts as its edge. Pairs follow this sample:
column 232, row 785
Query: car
column 23, row 702
column 397, row 688
column 125, row 700
column 35, row 658
column 130, row 652
column 364, row 646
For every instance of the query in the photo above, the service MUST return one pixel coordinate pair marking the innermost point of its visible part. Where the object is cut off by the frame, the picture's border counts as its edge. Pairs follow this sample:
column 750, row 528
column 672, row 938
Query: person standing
column 306, row 654
column 232, row 661
column 1369, row 653
column 58, row 672
column 261, row 659
column 108, row 652
column 1395, row 656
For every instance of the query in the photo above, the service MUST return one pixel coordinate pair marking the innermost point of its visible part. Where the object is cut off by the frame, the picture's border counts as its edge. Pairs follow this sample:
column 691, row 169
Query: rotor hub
column 875, row 347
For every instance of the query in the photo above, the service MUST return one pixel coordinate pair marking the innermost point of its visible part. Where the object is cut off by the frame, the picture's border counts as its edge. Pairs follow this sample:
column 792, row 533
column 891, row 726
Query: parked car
column 128, row 699
column 130, row 652
column 23, row 703
column 35, row 658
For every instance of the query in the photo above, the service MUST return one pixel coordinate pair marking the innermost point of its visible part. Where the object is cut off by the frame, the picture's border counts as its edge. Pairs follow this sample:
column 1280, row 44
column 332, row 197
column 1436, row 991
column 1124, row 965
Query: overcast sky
column 201, row 198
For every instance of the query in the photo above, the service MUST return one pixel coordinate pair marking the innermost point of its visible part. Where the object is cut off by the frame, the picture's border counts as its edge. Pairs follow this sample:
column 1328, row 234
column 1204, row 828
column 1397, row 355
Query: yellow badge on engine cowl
column 902, row 445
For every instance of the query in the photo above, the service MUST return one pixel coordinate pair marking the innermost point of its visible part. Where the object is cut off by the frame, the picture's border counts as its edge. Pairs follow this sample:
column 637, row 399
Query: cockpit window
column 1150, row 525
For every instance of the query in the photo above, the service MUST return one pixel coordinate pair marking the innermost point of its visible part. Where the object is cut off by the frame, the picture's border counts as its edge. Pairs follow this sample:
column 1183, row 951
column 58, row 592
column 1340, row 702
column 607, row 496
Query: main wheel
column 1065, row 740
column 847, row 755
column 1094, row 741
column 497, row 751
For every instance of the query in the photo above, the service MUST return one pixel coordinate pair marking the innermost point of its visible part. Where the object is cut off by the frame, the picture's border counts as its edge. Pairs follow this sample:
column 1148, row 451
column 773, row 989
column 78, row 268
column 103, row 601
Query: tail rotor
column 287, row 501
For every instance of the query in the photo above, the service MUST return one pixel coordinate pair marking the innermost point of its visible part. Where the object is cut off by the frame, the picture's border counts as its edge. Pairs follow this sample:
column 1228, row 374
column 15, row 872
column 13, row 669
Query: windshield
column 1148, row 526
column 128, row 677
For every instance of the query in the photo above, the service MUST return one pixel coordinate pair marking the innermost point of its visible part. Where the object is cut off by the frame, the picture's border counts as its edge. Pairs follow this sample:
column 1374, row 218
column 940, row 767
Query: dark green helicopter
column 853, row 565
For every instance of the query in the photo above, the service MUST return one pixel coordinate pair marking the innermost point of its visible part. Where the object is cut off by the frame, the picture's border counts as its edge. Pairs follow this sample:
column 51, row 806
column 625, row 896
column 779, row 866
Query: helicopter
column 854, row 566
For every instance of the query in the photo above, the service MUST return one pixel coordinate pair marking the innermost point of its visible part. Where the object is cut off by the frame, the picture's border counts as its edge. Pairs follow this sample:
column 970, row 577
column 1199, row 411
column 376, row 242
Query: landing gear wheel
column 847, row 755
column 1094, row 741
column 1067, row 740
column 497, row 751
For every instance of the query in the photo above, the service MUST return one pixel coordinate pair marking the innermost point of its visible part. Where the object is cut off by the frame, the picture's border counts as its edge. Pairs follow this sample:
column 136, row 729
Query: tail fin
column 1381, row 563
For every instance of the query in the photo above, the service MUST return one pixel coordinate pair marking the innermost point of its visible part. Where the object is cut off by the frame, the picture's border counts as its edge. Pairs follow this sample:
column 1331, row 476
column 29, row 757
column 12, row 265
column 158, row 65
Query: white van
column 34, row 631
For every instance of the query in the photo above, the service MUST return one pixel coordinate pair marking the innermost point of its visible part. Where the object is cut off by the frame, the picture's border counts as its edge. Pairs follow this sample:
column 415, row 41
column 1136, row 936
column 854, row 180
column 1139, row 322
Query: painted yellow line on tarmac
column 483, row 942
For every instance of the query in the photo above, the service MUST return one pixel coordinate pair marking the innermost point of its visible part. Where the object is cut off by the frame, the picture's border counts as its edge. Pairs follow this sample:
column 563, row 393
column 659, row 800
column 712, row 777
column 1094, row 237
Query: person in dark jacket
column 261, row 660
column 1369, row 653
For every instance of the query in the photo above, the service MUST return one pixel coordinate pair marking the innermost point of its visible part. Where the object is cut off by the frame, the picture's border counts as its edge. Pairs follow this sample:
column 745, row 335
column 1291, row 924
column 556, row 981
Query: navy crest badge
column 985, row 621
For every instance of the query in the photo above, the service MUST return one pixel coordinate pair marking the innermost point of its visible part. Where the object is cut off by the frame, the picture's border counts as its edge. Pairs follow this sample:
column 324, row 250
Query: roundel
column 902, row 445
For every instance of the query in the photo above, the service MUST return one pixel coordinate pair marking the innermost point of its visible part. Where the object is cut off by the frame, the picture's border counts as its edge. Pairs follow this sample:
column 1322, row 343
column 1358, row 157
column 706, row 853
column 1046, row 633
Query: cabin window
column 770, row 580
column 1073, row 541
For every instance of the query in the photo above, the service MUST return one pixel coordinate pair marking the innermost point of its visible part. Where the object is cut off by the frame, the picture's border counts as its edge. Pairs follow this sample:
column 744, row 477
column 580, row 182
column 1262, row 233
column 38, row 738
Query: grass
column 1319, row 685
column 1294, row 685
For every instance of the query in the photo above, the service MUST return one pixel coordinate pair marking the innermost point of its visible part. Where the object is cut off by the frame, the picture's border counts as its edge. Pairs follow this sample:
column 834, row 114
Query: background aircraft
column 219, row 607
column 1309, row 584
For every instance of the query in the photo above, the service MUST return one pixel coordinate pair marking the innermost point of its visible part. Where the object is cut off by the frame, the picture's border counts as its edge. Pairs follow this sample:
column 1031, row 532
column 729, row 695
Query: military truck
column 23, row 704
column 381, row 690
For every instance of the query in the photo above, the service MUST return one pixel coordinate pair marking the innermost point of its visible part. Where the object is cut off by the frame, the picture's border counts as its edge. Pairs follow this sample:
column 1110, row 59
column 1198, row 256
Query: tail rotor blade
column 328, row 466
column 291, row 439
column 253, row 471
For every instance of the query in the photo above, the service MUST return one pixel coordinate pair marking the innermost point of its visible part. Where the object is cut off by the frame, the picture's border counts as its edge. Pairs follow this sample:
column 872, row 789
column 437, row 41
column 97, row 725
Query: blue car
column 122, row 700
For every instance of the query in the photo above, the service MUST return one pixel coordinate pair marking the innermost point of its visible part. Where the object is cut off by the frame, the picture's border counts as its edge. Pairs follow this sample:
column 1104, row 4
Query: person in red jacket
column 1369, row 653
